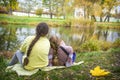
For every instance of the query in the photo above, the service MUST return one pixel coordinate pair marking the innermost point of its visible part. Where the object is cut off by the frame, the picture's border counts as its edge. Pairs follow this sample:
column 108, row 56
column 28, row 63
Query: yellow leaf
column 98, row 72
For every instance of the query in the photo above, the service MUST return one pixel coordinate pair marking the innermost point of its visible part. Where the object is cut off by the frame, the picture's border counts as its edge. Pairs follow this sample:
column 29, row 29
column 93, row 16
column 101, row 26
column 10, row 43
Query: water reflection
column 107, row 35
column 22, row 33
column 8, row 38
column 12, row 37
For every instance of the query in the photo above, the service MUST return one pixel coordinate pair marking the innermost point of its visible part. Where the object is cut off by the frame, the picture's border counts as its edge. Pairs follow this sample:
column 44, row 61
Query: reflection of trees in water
column 8, row 40
column 101, row 34
column 10, row 37
column 106, row 35
column 119, row 35
column 76, row 36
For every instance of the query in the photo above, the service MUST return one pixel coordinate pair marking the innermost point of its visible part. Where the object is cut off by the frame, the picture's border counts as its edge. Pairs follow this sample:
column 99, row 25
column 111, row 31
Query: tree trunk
column 93, row 18
column 100, row 18
column 84, row 12
column 28, row 14
column 105, row 18
column 108, row 18
column 51, row 15
column 10, row 11
column 64, row 17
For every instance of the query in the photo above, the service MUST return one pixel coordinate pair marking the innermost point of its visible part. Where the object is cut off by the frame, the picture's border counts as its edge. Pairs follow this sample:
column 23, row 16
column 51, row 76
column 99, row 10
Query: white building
column 79, row 12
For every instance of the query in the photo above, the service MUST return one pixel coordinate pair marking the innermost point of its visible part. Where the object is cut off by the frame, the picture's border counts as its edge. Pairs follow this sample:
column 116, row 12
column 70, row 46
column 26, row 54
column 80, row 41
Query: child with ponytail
column 33, row 53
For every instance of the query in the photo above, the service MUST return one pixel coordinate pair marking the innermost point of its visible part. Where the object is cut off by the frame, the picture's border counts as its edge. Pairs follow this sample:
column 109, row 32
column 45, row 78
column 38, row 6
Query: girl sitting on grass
column 60, row 54
column 34, row 51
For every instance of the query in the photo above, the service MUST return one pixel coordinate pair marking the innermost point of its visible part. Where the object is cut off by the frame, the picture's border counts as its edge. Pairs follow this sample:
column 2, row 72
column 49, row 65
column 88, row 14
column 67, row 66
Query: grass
column 108, row 60
column 24, row 20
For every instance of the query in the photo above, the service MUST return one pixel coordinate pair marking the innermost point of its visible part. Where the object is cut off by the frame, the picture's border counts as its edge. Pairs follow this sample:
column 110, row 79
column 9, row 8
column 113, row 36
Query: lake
column 11, row 36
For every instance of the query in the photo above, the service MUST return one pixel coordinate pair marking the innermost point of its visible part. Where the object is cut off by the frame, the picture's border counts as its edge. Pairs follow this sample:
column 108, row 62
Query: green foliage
column 2, row 8
column 105, row 45
column 13, row 4
column 91, row 45
column 9, row 4
column 116, row 43
column 39, row 12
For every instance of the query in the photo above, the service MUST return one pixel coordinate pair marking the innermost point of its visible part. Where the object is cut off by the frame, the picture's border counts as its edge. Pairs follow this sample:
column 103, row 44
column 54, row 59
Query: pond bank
column 108, row 25
column 23, row 20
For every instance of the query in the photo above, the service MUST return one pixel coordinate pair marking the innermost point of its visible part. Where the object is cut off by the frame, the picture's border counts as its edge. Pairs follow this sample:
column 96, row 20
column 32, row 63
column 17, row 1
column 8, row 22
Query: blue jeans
column 17, row 57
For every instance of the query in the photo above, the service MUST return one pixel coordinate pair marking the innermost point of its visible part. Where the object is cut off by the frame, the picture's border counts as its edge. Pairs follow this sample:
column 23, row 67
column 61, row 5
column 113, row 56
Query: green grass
column 108, row 60
column 10, row 19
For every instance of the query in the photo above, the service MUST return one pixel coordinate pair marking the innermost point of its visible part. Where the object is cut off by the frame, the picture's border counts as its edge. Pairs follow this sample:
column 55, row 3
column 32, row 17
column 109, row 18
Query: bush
column 78, row 22
column 3, row 10
column 91, row 45
column 105, row 45
column 116, row 43
column 39, row 12
column 82, row 22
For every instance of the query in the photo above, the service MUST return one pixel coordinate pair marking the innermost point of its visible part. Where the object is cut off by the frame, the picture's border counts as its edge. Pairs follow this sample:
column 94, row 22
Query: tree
column 68, row 9
column 9, row 4
column 109, row 4
column 58, row 7
column 88, row 7
column 28, row 5
column 49, row 4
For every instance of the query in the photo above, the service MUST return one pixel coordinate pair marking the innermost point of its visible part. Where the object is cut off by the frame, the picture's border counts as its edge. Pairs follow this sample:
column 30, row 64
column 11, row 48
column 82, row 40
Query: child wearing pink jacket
column 60, row 54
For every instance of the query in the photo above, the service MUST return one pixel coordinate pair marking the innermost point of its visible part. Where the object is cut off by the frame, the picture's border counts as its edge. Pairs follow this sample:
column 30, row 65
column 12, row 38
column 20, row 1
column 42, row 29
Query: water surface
column 12, row 36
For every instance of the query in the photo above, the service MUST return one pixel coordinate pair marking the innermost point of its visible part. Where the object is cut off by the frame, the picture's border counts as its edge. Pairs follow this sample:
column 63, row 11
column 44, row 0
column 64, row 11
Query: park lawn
column 108, row 60
column 22, row 20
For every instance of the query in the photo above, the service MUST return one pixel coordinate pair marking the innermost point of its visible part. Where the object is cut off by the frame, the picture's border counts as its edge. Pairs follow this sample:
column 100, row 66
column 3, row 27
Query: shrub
column 78, row 22
column 105, row 45
column 39, row 12
column 3, row 10
column 116, row 43
column 82, row 22
column 91, row 45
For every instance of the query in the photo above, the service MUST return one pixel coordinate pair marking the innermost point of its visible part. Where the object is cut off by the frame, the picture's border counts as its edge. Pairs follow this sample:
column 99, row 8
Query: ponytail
column 26, row 60
column 41, row 30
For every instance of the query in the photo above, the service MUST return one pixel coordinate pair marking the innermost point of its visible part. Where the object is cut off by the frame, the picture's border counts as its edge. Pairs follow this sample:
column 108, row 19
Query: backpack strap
column 64, row 50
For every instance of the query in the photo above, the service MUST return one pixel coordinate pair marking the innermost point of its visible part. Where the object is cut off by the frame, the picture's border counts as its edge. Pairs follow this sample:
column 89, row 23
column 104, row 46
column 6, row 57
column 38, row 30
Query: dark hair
column 41, row 30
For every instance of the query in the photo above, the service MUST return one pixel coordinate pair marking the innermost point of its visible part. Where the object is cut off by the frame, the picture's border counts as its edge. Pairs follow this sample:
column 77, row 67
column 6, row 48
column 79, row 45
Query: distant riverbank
column 25, row 20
